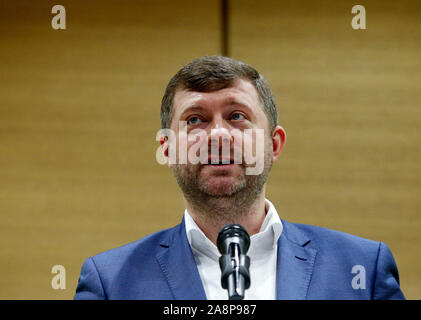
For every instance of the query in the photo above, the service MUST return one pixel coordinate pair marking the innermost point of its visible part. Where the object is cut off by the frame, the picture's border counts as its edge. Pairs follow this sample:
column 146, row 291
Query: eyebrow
column 191, row 108
column 230, row 102
column 238, row 103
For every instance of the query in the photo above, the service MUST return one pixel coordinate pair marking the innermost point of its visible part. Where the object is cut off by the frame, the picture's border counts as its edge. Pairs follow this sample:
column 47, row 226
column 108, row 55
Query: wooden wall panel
column 80, row 109
column 79, row 114
column 350, row 101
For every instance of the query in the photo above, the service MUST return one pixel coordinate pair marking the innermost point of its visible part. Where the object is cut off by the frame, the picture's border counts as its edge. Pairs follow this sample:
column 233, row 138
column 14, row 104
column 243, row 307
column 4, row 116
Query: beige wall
column 79, row 111
column 350, row 102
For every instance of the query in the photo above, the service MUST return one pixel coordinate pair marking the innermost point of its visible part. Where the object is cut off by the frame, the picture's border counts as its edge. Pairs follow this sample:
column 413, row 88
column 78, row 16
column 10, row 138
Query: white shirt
column 262, row 252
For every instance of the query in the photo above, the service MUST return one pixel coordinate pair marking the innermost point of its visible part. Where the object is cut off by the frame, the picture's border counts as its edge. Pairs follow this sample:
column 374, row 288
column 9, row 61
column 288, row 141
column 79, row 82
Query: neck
column 212, row 216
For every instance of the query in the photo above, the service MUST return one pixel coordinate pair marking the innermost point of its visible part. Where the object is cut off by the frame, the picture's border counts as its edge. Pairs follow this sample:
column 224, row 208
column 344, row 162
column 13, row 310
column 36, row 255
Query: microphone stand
column 234, row 263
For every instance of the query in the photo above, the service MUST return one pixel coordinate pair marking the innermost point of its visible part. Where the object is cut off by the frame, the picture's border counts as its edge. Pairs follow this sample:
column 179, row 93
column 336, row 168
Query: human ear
column 279, row 139
column 163, row 150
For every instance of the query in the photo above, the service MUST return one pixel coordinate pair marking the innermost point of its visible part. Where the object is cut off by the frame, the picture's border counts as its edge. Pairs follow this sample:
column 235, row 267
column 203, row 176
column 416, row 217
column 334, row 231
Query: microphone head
column 233, row 233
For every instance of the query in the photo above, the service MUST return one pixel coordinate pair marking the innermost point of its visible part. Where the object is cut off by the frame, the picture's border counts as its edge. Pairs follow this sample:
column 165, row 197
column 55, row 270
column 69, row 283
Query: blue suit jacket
column 313, row 263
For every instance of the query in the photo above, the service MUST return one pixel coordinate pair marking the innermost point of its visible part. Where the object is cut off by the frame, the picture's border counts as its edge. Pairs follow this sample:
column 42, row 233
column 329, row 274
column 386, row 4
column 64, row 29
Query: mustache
column 251, row 160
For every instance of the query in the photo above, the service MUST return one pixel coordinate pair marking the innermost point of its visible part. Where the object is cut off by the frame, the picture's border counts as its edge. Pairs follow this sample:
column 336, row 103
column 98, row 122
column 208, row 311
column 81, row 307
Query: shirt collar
column 269, row 233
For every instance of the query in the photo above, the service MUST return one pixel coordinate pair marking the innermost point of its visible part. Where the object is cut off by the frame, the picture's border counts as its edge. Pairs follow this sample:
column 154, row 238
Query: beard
column 222, row 194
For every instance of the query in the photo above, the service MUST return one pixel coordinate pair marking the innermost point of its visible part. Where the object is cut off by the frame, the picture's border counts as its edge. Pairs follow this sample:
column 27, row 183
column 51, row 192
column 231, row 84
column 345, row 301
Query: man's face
column 222, row 117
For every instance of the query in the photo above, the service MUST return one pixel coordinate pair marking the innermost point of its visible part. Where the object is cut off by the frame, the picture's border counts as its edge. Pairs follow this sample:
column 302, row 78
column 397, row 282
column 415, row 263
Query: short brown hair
column 211, row 73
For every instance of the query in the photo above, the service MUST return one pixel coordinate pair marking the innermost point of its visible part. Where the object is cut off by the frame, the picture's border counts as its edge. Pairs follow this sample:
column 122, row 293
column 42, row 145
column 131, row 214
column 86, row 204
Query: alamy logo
column 59, row 20
column 59, row 280
column 358, row 21
column 238, row 147
column 358, row 281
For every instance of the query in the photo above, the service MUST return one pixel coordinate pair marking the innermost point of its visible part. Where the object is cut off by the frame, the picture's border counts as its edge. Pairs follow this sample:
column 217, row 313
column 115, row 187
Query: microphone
column 233, row 243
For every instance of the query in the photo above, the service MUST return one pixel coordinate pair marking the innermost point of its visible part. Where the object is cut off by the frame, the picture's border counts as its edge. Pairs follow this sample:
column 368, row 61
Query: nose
column 220, row 142
column 219, row 134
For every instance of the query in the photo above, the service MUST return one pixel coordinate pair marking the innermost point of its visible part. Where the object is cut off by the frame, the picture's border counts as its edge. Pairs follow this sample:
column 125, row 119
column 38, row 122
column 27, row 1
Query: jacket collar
column 295, row 264
column 179, row 267
column 294, row 270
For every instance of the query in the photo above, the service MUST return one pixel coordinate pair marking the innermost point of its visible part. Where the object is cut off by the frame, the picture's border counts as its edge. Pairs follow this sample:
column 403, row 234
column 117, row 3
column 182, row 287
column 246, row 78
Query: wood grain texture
column 79, row 113
column 78, row 118
column 350, row 101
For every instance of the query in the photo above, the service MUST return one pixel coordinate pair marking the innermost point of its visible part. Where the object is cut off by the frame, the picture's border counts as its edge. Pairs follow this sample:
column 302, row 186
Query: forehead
column 241, row 92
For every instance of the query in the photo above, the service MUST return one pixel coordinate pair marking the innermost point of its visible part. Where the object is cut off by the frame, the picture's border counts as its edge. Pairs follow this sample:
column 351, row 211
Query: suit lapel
column 295, row 264
column 179, row 267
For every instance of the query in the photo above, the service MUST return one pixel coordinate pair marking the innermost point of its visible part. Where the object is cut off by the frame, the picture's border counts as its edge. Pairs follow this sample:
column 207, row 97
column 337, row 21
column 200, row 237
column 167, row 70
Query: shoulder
column 143, row 249
column 329, row 241
column 117, row 273
column 321, row 233
column 345, row 258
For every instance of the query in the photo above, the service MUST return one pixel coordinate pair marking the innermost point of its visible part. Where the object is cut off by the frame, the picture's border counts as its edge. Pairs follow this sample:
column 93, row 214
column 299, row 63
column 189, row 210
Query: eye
column 194, row 120
column 236, row 116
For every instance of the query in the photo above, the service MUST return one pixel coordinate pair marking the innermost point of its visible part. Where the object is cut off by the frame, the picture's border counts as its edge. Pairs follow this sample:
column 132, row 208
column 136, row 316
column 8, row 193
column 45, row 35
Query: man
column 208, row 107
